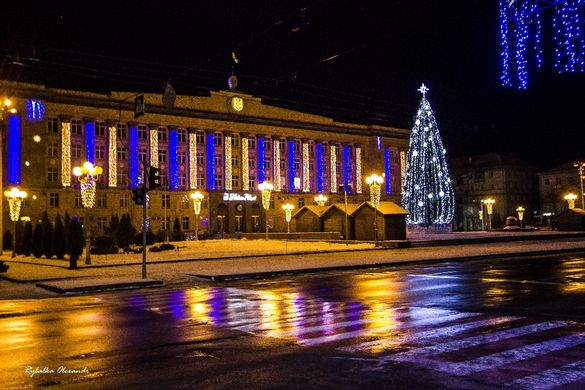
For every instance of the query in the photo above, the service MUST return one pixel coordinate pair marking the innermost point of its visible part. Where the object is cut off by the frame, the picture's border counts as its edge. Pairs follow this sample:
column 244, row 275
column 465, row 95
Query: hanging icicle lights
column 521, row 33
column 428, row 192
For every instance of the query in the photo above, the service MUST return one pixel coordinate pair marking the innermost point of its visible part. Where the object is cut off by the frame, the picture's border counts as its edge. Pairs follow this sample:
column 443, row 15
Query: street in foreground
column 484, row 324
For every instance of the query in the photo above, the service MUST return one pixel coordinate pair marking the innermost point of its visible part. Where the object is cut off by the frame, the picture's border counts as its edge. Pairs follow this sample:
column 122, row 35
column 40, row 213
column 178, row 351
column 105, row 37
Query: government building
column 223, row 145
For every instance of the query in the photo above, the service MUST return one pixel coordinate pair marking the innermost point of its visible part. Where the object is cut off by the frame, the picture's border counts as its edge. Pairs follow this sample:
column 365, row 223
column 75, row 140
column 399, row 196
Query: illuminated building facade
column 223, row 145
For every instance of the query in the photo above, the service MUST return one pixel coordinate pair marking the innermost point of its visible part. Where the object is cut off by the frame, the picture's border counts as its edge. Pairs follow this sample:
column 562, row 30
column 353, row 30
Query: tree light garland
column 333, row 167
column 193, row 160
column 228, row 161
column 245, row 167
column 66, row 154
column 112, row 157
column 86, row 175
column 15, row 199
column 428, row 192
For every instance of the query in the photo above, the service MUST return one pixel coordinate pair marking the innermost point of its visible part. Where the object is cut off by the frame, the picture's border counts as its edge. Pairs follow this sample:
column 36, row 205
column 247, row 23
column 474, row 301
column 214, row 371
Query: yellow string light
column 228, row 162
column 402, row 169
column 333, row 168
column 154, row 147
column 306, row 177
column 358, row 170
column 276, row 147
column 245, row 171
column 193, row 160
column 66, row 154
column 112, row 158
column 15, row 199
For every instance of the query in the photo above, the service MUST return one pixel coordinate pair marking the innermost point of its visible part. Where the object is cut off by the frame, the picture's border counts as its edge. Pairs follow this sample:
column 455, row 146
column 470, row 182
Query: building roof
column 317, row 210
column 566, row 167
column 575, row 210
column 386, row 208
column 351, row 207
column 488, row 161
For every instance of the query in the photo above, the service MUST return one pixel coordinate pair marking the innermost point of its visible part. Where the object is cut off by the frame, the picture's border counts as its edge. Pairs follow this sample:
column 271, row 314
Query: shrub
column 162, row 247
column 27, row 239
column 37, row 241
column 149, row 238
column 75, row 239
column 125, row 232
column 19, row 236
column 3, row 267
column 104, row 245
column 59, row 238
column 7, row 240
column 47, row 236
column 177, row 232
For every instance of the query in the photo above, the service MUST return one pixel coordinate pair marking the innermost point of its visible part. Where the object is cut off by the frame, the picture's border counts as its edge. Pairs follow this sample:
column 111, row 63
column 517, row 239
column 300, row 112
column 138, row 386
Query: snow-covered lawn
column 209, row 249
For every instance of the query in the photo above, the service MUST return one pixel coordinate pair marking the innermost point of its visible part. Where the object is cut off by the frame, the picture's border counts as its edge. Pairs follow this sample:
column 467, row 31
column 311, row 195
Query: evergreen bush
column 75, row 239
column 47, row 236
column 37, row 241
column 27, row 237
column 59, row 239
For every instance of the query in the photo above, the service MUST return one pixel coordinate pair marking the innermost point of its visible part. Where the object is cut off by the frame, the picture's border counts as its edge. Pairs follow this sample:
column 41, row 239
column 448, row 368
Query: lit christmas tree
column 428, row 193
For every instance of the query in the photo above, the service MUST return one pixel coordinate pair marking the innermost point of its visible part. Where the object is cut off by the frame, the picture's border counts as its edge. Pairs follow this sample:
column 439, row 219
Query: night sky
column 353, row 60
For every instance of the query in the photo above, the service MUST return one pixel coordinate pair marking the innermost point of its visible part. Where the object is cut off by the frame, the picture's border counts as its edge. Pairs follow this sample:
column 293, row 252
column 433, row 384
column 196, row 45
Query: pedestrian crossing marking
column 553, row 377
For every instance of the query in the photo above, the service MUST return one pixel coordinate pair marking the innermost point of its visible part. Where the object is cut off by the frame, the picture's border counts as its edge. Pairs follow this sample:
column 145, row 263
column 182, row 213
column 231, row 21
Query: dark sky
column 351, row 59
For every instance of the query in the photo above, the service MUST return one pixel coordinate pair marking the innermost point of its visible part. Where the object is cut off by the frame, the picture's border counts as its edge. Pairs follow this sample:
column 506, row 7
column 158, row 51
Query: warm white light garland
column 358, row 170
column 15, row 199
column 306, row 175
column 333, row 168
column 112, row 157
column 193, row 160
column 154, row 147
column 228, row 162
column 403, row 166
column 245, row 167
column 277, row 182
column 66, row 154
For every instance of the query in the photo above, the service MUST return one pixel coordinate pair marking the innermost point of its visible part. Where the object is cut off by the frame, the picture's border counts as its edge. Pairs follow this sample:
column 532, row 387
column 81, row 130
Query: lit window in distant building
column 142, row 132
column 218, row 139
column 201, row 181
column 218, row 181
column 185, row 223
column 251, row 163
column 200, row 159
column 100, row 129
column 252, row 182
column 235, row 140
column 218, row 161
column 53, row 199
column 251, row 143
column 52, row 125
column 52, row 175
column 76, row 127
column 182, row 180
column 166, row 201
column 182, row 157
column 235, row 161
column 142, row 153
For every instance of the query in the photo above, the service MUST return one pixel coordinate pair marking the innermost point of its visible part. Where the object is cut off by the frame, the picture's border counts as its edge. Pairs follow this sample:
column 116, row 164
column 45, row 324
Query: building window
column 77, row 200
column 162, row 156
column 142, row 154
column 296, row 164
column 547, row 182
column 122, row 181
column 252, row 182
column 165, row 223
column 162, row 133
column 571, row 180
column 282, row 165
column 218, row 181
column 311, row 146
column 199, row 159
column 76, row 150
column 182, row 135
column 163, row 180
column 185, row 223
column 52, row 125
column 100, row 152
column 100, row 129
column 267, row 162
column 235, row 140
column 120, row 153
column 52, row 175
column 53, row 199
column 182, row 156
column 142, row 132
column 282, row 142
column 102, row 223
column 124, row 201
column 218, row 161
column 267, row 143
column 52, row 150
column 200, row 138
column 121, row 131
column 251, row 163
column 218, row 139
column 102, row 200
column 558, row 181
column 251, row 143
column 235, row 181
column 76, row 127
column 166, row 201
column 301, row 202
column 235, row 161
column 182, row 180
column 201, row 181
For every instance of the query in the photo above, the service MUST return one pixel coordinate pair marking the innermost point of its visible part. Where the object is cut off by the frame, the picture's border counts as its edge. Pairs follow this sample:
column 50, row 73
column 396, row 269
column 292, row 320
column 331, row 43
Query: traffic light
column 153, row 178
column 138, row 196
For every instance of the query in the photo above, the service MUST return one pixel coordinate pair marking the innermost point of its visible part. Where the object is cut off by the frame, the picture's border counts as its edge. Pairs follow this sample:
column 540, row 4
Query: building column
column 133, row 161
column 245, row 166
column 210, row 156
column 153, row 137
column 192, row 134
column 319, row 179
column 112, row 153
column 260, row 148
column 89, row 124
column 291, row 164
column 173, row 158
column 65, row 151
column 347, row 177
column 333, row 167
column 276, row 149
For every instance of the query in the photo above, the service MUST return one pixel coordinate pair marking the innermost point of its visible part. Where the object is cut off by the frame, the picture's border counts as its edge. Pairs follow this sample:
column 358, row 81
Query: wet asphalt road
column 514, row 323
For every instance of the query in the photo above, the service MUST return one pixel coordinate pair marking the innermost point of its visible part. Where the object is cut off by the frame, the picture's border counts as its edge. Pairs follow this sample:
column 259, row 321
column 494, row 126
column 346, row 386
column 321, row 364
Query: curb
column 269, row 274
column 100, row 288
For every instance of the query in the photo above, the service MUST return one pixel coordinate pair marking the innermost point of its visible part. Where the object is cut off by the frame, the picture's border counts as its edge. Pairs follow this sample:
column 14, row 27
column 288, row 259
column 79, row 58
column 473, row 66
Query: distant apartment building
column 554, row 184
column 502, row 177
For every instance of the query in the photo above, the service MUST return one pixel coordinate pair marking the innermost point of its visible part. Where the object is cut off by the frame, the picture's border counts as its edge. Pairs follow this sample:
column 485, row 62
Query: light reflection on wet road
column 381, row 315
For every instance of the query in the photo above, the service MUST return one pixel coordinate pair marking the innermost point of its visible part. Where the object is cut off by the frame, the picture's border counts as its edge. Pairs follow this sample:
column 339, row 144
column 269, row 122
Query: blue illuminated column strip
column 291, row 166
column 260, row 164
column 319, row 152
column 387, row 169
column 173, row 159
column 346, row 168
column 133, row 163
column 14, row 149
column 210, row 161
column 89, row 141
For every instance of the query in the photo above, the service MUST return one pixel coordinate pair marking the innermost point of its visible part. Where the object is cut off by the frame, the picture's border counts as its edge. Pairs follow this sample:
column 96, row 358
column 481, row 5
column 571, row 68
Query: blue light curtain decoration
column 387, row 170
column 89, row 141
column 291, row 166
column 173, row 159
column 14, row 149
column 320, row 180
column 210, row 161
column 35, row 110
column 133, row 162
column 261, row 157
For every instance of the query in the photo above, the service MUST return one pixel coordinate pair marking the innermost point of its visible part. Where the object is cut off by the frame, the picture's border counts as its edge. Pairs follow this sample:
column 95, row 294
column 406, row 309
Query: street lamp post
column 197, row 198
column 266, row 189
column 489, row 204
column 571, row 199
column 320, row 199
column 580, row 165
column 375, row 183
column 87, row 175
column 15, row 198
column 520, row 210
column 288, row 208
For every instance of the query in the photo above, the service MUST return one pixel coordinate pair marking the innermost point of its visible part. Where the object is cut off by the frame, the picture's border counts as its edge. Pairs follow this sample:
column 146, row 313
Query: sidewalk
column 268, row 260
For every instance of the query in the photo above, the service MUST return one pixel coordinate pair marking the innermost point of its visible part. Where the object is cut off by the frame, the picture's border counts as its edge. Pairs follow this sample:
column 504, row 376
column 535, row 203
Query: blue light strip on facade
column 260, row 164
column 133, row 163
column 14, row 149
column 210, row 161
column 346, row 169
column 173, row 159
column 89, row 142
column 291, row 166
column 319, row 152
column 387, row 161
